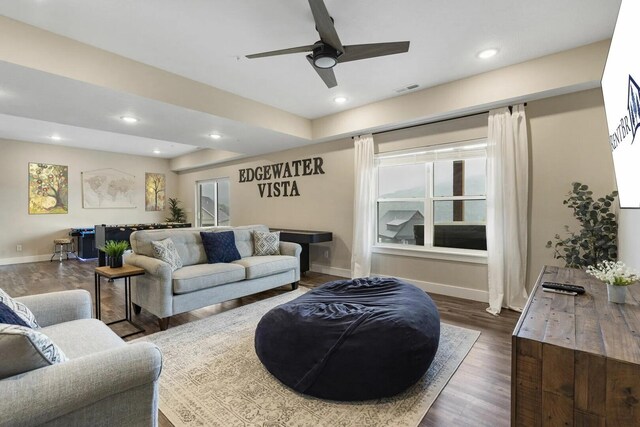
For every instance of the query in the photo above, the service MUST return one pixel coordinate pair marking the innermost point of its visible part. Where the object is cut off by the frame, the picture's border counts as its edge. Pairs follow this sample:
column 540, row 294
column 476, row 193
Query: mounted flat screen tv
column 621, row 92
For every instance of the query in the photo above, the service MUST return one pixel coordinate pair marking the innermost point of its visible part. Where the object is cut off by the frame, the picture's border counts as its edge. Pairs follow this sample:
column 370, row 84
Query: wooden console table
column 576, row 360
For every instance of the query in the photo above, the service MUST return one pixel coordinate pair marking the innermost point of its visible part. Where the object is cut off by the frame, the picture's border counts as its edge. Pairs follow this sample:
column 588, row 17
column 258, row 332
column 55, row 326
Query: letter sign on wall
column 281, row 176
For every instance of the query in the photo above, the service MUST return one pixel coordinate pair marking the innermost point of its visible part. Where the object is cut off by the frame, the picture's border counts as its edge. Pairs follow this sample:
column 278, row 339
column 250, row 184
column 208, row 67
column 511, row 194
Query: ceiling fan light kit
column 329, row 51
column 324, row 56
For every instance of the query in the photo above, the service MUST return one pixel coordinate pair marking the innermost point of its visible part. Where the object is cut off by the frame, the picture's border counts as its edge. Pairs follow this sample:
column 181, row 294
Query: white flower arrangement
column 614, row 273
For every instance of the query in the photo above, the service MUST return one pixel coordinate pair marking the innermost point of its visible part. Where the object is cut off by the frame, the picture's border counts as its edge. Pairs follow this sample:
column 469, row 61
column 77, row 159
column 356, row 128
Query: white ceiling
column 206, row 41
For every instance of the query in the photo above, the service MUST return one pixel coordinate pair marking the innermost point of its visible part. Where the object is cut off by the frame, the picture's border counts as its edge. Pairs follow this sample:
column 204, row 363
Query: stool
column 62, row 246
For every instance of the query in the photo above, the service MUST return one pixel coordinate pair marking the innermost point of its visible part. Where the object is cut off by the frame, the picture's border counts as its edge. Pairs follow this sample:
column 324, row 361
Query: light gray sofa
column 105, row 382
column 199, row 284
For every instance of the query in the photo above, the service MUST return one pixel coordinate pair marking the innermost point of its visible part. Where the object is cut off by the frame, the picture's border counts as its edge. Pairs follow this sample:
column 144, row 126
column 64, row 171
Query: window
column 434, row 197
column 212, row 199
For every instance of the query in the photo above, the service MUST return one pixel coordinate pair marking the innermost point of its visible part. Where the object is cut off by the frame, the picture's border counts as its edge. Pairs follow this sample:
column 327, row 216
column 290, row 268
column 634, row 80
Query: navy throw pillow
column 220, row 246
column 9, row 317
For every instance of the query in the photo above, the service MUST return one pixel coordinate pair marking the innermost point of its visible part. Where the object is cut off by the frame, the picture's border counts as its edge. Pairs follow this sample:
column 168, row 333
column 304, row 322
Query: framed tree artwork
column 48, row 189
column 154, row 193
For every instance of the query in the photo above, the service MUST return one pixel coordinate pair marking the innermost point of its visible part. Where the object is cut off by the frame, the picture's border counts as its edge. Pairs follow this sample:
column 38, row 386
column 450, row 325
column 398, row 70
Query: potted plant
column 617, row 276
column 114, row 250
column 596, row 241
column 177, row 213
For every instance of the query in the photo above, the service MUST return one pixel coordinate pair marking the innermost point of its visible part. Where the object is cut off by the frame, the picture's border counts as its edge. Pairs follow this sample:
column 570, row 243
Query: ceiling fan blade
column 363, row 51
column 324, row 25
column 282, row 52
column 326, row 74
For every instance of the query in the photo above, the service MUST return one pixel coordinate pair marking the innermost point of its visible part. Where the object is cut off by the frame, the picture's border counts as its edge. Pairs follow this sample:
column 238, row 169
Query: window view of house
column 436, row 197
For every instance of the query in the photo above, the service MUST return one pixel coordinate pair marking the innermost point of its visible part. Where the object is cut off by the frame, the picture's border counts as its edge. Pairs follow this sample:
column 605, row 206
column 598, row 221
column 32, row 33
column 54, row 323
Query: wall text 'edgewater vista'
column 281, row 171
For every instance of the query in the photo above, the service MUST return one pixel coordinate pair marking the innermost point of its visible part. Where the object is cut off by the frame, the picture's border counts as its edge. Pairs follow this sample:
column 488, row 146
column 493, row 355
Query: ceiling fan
column 329, row 51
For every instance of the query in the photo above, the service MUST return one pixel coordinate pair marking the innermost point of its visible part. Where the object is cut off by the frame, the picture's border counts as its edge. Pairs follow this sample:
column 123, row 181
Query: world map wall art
column 108, row 189
column 48, row 189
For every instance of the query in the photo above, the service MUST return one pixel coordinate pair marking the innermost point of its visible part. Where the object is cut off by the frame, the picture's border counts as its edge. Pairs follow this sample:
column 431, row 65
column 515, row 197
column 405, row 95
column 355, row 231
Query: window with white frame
column 433, row 197
column 212, row 202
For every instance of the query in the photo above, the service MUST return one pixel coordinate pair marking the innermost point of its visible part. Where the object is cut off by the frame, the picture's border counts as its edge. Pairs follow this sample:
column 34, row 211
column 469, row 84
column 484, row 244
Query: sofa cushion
column 266, row 243
column 186, row 240
column 20, row 309
column 220, row 246
column 82, row 337
column 202, row 276
column 24, row 349
column 166, row 251
column 261, row 266
column 244, row 238
column 10, row 317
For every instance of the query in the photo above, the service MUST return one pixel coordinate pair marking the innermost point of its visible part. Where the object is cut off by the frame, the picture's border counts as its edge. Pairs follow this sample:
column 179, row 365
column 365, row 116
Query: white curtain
column 363, row 207
column 507, row 206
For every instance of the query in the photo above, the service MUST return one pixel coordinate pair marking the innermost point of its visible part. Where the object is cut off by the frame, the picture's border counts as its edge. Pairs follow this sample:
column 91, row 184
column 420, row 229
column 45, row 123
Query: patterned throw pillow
column 220, row 246
column 20, row 309
column 265, row 243
column 165, row 250
column 10, row 317
column 25, row 349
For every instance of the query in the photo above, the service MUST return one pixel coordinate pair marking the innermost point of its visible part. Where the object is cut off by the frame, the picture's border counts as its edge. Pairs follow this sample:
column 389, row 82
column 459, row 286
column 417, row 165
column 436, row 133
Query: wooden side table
column 125, row 272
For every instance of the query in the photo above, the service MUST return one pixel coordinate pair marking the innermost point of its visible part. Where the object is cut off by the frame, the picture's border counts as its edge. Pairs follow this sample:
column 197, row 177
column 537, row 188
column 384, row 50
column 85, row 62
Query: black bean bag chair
column 351, row 339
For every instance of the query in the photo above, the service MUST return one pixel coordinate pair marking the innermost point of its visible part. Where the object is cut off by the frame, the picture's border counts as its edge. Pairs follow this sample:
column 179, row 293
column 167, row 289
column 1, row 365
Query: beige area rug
column 211, row 376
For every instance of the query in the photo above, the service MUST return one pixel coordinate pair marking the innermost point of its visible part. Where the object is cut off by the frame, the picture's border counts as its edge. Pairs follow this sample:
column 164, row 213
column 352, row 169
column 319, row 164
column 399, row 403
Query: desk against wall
column 304, row 238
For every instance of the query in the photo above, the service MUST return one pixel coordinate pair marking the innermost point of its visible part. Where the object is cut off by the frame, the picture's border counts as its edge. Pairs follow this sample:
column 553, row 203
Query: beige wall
column 325, row 201
column 568, row 142
column 36, row 232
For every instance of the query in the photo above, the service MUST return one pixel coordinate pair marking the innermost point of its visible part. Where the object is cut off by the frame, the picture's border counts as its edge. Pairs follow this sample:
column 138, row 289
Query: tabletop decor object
column 617, row 276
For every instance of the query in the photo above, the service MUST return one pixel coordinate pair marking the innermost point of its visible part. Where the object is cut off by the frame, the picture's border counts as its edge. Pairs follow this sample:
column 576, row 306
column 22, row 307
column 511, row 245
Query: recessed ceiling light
column 129, row 119
column 215, row 136
column 487, row 53
column 156, row 151
column 340, row 99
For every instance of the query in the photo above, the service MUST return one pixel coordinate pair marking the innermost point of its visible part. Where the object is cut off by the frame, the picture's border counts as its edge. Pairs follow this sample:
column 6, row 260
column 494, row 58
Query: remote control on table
column 563, row 287
column 558, row 291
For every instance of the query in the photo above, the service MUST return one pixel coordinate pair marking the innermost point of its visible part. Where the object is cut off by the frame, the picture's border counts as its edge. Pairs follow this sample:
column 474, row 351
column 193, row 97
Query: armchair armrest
column 57, row 307
column 45, row 394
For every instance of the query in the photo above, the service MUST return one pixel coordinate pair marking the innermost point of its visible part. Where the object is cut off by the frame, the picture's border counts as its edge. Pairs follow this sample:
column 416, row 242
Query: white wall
column 629, row 242
column 36, row 232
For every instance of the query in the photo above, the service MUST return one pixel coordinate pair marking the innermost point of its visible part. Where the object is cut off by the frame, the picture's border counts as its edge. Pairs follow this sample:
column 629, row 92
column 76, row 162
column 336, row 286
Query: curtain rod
column 438, row 121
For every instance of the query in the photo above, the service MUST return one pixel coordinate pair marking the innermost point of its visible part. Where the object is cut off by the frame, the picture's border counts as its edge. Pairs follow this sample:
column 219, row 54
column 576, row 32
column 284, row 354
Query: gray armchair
column 105, row 382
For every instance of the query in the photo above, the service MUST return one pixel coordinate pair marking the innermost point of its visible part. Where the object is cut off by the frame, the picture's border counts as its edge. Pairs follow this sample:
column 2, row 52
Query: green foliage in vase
column 596, row 241
column 177, row 213
column 115, row 248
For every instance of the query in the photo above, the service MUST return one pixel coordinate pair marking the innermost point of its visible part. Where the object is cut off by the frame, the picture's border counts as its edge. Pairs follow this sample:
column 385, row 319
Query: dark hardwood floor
column 477, row 395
